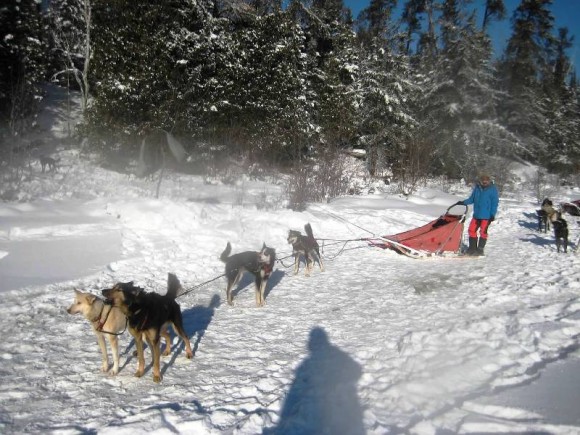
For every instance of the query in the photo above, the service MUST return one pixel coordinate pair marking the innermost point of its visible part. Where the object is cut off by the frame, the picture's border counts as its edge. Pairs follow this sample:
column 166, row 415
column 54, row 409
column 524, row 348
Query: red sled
column 441, row 237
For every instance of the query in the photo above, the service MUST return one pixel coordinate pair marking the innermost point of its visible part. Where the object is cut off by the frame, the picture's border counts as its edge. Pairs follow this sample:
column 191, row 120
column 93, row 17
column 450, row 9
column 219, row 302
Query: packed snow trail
column 408, row 344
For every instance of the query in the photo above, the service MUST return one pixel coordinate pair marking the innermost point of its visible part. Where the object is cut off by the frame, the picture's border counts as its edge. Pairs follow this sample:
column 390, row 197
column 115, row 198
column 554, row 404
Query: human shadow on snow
column 323, row 396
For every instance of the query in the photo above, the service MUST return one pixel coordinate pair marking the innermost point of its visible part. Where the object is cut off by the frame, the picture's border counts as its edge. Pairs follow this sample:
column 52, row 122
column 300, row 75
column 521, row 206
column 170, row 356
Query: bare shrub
column 544, row 184
column 297, row 188
column 500, row 169
column 317, row 180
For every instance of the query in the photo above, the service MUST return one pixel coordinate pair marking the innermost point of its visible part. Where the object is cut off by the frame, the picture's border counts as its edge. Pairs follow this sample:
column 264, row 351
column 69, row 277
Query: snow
column 378, row 343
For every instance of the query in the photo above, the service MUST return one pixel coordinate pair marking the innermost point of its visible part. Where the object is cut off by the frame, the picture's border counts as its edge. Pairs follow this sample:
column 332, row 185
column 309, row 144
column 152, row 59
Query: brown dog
column 105, row 320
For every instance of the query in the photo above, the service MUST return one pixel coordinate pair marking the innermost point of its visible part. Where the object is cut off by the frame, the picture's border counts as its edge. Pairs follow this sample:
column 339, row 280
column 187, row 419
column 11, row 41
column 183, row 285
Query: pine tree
column 460, row 97
column 411, row 16
column 150, row 61
column 335, row 111
column 375, row 21
column 526, row 57
column 493, row 9
column 264, row 95
column 427, row 45
column 384, row 92
column 70, row 22
column 562, row 109
column 23, row 59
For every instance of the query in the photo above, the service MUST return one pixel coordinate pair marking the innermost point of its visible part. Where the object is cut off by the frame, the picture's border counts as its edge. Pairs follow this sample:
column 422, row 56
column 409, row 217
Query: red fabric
column 441, row 235
column 481, row 224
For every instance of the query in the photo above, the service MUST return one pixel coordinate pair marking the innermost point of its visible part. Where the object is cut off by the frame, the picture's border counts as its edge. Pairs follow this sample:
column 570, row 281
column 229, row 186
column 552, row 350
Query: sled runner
column 441, row 237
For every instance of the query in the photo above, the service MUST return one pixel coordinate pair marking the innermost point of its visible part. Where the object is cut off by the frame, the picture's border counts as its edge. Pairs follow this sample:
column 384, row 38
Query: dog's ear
column 91, row 299
column 264, row 245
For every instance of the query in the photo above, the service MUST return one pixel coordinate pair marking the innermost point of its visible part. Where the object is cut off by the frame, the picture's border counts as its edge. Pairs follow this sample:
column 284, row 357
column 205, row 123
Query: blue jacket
column 485, row 201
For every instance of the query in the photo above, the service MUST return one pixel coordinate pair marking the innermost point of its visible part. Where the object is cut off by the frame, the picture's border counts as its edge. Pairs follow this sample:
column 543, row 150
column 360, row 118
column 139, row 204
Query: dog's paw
column 189, row 355
column 157, row 378
column 105, row 367
column 138, row 373
column 113, row 371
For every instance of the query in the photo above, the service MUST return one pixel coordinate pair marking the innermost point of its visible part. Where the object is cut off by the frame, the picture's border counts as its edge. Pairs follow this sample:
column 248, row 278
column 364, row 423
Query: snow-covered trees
column 71, row 25
column 23, row 64
column 460, row 97
column 270, row 79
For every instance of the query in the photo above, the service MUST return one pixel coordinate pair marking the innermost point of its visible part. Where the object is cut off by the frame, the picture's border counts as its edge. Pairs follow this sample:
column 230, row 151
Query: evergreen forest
column 413, row 83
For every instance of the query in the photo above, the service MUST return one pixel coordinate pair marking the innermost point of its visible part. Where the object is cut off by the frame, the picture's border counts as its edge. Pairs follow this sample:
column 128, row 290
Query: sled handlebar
column 457, row 205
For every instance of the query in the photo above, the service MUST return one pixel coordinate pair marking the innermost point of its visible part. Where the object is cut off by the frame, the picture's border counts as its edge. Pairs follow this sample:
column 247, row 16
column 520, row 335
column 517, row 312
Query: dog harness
column 267, row 268
column 101, row 323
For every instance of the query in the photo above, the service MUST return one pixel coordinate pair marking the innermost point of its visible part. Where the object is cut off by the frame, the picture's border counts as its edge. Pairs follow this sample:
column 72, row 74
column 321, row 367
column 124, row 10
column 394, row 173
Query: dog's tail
column 308, row 230
column 226, row 253
column 174, row 288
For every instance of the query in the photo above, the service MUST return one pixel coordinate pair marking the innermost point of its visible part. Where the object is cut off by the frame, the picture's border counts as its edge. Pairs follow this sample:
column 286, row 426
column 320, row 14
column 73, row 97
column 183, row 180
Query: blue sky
column 566, row 14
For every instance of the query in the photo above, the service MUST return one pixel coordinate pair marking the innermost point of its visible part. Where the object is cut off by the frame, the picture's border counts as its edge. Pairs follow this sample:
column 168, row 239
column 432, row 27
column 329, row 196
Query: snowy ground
column 378, row 343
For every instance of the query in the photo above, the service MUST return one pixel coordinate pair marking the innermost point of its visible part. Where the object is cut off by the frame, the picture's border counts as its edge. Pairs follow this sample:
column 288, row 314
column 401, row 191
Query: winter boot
column 472, row 250
column 480, row 246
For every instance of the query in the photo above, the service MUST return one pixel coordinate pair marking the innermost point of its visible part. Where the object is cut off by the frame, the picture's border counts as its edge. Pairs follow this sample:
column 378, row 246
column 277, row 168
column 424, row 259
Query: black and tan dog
column 305, row 246
column 148, row 314
column 259, row 263
column 560, row 232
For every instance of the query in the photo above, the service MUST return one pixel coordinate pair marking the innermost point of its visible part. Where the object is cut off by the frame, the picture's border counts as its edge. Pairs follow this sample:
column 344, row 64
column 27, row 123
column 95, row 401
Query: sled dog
column 259, row 263
column 560, row 232
column 106, row 320
column 545, row 215
column 147, row 314
column 305, row 246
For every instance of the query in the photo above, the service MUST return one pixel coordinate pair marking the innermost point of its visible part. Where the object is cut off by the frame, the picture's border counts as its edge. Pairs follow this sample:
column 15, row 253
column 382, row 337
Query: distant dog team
column 549, row 216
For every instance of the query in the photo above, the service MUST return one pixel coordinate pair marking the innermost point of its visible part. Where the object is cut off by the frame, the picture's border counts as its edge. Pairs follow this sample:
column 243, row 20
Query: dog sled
column 441, row 237
column 572, row 208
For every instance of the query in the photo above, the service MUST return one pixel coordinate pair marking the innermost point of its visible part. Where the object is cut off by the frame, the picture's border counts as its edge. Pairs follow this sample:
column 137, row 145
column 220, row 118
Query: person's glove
column 491, row 219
